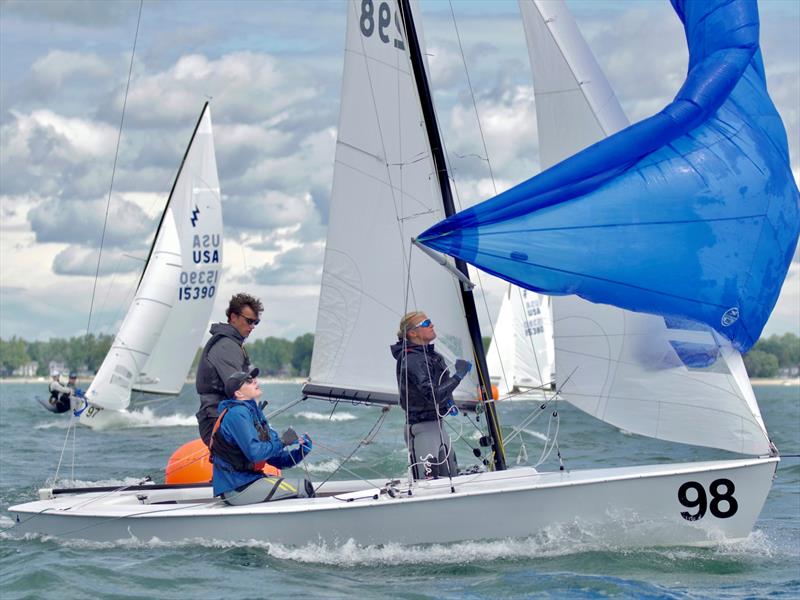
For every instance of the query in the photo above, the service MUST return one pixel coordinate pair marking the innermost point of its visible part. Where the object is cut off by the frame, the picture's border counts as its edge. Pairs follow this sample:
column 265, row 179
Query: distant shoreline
column 775, row 381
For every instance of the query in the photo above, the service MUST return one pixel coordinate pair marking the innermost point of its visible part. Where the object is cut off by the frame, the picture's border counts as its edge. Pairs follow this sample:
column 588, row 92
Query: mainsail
column 155, row 344
column 690, row 214
column 385, row 192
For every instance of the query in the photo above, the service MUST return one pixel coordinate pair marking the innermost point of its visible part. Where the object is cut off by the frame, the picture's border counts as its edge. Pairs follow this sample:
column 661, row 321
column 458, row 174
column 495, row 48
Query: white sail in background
column 385, row 191
column 670, row 380
column 196, row 211
column 521, row 353
column 156, row 343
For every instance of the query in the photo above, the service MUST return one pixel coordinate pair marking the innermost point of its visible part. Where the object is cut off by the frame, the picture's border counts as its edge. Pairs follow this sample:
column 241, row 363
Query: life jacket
column 230, row 452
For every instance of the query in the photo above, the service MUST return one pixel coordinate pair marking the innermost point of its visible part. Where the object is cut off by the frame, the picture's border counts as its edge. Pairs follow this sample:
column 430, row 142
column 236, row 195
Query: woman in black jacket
column 426, row 394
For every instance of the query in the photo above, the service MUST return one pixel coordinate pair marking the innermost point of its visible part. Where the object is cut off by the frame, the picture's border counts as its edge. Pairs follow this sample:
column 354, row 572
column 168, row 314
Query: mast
column 437, row 151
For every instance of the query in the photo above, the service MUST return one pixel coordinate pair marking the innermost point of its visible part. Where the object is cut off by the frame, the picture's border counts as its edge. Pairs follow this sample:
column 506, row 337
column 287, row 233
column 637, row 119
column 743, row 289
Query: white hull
column 96, row 417
column 631, row 506
column 99, row 418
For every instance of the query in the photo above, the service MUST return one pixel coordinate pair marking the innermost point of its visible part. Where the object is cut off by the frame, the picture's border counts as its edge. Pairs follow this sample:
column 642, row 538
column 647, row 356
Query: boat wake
column 554, row 543
column 129, row 420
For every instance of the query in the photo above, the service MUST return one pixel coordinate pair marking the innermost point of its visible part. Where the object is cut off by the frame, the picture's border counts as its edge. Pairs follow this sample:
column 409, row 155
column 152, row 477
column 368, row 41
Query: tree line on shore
column 777, row 355
column 275, row 357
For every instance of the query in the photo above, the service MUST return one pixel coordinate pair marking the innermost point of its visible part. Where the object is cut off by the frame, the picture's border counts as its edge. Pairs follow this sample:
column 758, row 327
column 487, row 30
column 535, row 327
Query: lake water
column 764, row 565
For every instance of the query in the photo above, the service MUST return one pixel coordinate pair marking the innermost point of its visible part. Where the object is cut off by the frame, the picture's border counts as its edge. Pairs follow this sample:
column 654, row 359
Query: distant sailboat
column 156, row 343
column 521, row 355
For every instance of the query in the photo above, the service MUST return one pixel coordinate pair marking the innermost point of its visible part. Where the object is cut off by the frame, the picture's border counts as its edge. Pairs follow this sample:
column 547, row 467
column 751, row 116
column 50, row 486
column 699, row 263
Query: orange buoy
column 495, row 393
column 190, row 464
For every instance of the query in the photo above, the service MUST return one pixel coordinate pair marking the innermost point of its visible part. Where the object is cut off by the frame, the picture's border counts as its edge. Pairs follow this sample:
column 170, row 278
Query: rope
column 63, row 447
column 114, row 169
column 375, row 427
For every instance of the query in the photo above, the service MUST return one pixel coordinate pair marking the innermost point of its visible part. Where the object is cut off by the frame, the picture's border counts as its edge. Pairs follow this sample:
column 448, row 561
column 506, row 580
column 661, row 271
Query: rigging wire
column 114, row 168
column 488, row 163
column 494, row 186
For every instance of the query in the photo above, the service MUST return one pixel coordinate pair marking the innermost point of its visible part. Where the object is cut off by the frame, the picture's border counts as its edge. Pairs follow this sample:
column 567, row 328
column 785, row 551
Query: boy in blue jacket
column 242, row 442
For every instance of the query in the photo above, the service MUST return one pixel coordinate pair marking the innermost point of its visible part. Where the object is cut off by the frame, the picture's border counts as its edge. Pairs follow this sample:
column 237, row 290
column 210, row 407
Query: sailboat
column 521, row 355
column 154, row 347
column 391, row 182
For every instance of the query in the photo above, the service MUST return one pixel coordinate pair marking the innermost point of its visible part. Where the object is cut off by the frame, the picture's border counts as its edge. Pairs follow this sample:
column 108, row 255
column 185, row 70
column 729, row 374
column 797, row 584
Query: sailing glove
column 305, row 444
column 453, row 408
column 289, row 436
column 462, row 368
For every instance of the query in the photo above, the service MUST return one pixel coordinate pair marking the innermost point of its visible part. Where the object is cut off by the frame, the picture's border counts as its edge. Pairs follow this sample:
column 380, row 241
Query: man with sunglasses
column 224, row 355
column 426, row 394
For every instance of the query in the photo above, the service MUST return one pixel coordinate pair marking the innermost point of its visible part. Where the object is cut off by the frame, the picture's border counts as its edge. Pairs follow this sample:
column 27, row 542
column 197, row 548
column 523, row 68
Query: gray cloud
column 79, row 260
column 298, row 266
column 267, row 211
column 82, row 223
column 251, row 86
column 83, row 13
column 46, row 154
column 51, row 71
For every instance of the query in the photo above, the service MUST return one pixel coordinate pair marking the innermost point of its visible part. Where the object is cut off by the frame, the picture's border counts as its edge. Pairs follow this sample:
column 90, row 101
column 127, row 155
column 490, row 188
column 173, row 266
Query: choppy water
column 550, row 565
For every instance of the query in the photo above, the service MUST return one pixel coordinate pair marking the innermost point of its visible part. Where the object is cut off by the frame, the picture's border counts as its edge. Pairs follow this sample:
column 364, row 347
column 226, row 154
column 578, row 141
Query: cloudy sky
column 272, row 70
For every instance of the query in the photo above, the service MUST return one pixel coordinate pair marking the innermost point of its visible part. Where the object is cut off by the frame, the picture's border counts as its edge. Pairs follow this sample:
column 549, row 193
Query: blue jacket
column 237, row 427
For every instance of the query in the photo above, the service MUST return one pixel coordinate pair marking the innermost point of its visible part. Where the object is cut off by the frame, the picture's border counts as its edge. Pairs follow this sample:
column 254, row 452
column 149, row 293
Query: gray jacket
column 222, row 356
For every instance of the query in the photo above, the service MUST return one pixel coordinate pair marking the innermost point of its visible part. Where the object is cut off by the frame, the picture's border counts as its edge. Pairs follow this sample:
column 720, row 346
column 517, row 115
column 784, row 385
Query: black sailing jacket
column 423, row 381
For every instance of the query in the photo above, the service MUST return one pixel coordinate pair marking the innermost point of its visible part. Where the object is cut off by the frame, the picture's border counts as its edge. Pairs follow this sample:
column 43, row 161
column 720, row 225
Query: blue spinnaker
column 692, row 213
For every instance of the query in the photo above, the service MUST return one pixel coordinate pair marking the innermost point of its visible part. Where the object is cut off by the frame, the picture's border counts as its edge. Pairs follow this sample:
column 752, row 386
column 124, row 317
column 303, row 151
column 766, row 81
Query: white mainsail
column 385, row 191
column 671, row 380
column 521, row 353
column 156, row 343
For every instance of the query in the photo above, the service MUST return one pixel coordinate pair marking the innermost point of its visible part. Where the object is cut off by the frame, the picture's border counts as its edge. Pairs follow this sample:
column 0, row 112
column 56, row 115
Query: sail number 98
column 722, row 504
column 368, row 18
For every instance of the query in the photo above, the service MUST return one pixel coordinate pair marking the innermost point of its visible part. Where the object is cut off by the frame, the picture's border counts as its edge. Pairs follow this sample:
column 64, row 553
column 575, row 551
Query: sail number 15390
column 721, row 504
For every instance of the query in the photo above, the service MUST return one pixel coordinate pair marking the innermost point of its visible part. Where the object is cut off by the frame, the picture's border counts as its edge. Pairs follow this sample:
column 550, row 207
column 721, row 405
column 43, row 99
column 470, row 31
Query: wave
column 330, row 465
column 315, row 416
column 78, row 483
column 554, row 542
column 536, row 434
column 130, row 419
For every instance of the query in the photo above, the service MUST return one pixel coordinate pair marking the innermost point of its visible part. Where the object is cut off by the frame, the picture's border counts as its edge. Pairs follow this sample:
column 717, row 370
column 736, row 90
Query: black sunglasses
column 249, row 320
